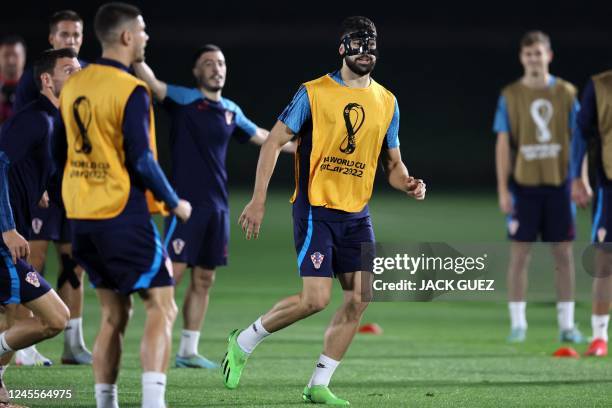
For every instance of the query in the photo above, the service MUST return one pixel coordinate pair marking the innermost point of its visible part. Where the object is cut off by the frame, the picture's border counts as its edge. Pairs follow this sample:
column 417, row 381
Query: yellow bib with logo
column 540, row 131
column 96, row 183
column 603, row 96
column 349, row 126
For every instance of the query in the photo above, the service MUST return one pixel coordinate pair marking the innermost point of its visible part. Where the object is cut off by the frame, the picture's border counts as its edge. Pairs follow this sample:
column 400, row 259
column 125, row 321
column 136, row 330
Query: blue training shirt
column 199, row 138
column 25, row 162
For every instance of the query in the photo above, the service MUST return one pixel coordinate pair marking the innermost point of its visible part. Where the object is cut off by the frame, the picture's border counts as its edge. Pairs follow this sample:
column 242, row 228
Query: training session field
column 437, row 354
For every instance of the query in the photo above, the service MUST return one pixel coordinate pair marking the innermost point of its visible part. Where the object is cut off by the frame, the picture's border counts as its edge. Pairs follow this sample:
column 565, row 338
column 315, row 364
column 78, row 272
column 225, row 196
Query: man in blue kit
column 108, row 156
column 50, row 224
column 202, row 123
column 25, row 171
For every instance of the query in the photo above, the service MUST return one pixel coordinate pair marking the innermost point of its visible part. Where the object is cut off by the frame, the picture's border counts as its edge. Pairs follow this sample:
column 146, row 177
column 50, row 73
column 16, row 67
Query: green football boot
column 234, row 361
column 321, row 394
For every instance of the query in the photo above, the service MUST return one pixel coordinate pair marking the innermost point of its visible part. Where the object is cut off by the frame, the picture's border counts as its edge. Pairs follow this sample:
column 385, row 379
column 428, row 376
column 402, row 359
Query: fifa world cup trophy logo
column 541, row 112
column 354, row 116
column 81, row 110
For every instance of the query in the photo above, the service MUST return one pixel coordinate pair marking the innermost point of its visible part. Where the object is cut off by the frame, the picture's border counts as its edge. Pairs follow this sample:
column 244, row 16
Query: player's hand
column 44, row 200
column 581, row 192
column 182, row 210
column 505, row 201
column 17, row 245
column 251, row 218
column 415, row 188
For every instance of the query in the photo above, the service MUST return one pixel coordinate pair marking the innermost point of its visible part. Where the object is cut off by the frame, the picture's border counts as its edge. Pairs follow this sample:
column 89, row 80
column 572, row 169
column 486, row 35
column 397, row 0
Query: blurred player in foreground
column 595, row 130
column 343, row 121
column 50, row 224
column 534, row 121
column 109, row 142
column 24, row 149
column 203, row 122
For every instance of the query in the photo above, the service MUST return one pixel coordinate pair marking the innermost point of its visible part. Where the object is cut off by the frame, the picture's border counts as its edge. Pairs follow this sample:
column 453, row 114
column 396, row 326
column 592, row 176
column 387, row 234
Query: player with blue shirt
column 203, row 121
column 534, row 121
column 50, row 224
column 343, row 121
column 595, row 130
column 26, row 169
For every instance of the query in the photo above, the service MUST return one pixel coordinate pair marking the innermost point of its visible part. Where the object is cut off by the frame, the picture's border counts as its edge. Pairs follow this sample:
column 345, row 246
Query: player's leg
column 315, row 296
column 523, row 228
column 602, row 282
column 195, row 307
column 559, row 228
column 208, row 236
column 30, row 356
column 71, row 290
column 156, row 343
column 115, row 311
column 4, row 363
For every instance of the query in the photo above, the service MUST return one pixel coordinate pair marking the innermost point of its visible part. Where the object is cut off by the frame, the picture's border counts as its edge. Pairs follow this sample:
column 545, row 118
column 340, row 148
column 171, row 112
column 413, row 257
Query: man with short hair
column 534, row 121
column 108, row 157
column 343, row 121
column 203, row 122
column 12, row 61
column 50, row 224
column 24, row 150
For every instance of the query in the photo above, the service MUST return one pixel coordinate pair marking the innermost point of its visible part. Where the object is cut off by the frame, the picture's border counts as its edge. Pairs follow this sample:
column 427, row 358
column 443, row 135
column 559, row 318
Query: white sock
column 323, row 371
column 518, row 318
column 4, row 348
column 106, row 396
column 153, row 390
column 73, row 335
column 189, row 343
column 2, row 369
column 252, row 336
column 600, row 326
column 565, row 315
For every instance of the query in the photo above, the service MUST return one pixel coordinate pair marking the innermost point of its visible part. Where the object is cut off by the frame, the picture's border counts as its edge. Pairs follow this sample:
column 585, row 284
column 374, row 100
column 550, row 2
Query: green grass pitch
column 430, row 355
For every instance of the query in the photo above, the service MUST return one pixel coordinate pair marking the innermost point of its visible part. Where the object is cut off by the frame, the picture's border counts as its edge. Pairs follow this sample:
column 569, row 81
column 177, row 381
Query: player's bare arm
column 144, row 72
column 502, row 167
column 398, row 177
column 17, row 245
column 261, row 135
column 253, row 212
column 581, row 187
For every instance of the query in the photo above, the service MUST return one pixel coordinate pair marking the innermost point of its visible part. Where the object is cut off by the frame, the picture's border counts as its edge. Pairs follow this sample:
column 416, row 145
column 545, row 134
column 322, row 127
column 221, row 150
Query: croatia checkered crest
column 317, row 259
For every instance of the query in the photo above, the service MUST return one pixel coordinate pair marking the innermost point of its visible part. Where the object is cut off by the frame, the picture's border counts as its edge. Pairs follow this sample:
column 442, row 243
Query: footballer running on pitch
column 343, row 121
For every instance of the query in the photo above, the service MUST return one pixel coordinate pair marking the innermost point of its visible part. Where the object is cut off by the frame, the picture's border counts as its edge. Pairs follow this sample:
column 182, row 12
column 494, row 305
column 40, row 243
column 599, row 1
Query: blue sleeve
column 26, row 91
column 7, row 222
column 137, row 151
column 297, row 112
column 182, row 95
column 585, row 128
column 392, row 137
column 501, row 122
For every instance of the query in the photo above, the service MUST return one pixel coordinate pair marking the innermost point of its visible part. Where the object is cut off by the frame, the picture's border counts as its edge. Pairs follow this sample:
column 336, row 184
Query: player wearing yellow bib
column 342, row 121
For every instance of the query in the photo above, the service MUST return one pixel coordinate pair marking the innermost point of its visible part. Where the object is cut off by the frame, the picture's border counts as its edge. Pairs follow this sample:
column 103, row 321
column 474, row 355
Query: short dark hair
column 202, row 50
column 110, row 16
column 357, row 23
column 63, row 15
column 533, row 37
column 12, row 39
column 47, row 60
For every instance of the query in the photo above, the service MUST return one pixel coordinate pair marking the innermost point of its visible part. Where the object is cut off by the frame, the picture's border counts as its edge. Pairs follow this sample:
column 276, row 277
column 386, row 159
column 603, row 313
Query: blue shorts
column 544, row 212
column 328, row 248
column 126, row 260
column 19, row 283
column 201, row 241
column 602, row 215
column 50, row 224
